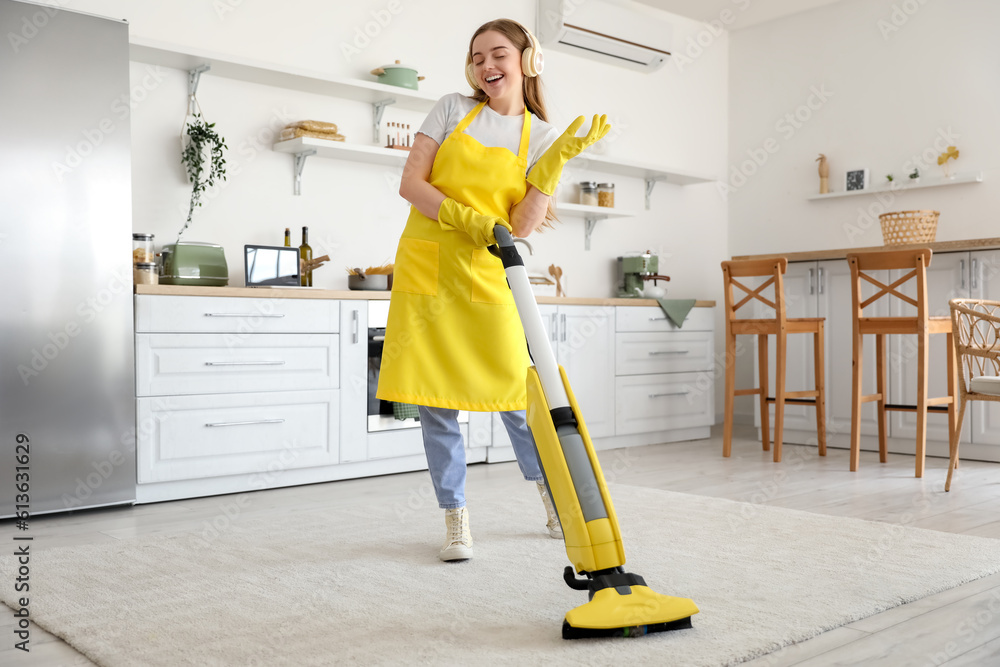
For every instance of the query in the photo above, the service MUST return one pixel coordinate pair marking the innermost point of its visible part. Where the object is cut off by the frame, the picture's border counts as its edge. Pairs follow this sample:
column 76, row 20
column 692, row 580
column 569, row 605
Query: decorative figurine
column 824, row 174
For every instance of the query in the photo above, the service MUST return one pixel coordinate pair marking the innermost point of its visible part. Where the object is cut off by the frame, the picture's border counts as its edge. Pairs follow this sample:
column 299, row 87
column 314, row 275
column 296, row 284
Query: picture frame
column 857, row 179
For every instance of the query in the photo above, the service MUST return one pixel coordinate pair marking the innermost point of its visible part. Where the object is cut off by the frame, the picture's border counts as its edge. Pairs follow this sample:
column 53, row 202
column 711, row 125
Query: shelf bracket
column 650, row 182
column 194, row 78
column 377, row 109
column 300, row 163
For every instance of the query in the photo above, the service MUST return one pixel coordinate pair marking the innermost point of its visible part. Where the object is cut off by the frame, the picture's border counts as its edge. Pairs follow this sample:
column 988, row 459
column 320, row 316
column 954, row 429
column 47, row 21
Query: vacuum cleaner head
column 621, row 605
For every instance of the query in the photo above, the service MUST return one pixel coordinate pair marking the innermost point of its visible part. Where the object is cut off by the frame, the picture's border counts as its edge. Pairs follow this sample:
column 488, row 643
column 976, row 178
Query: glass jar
column 142, row 248
column 606, row 195
column 144, row 273
column 588, row 193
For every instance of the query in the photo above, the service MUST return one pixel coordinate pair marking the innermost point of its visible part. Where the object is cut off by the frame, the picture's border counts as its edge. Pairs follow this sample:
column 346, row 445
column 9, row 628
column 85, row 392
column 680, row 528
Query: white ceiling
column 745, row 12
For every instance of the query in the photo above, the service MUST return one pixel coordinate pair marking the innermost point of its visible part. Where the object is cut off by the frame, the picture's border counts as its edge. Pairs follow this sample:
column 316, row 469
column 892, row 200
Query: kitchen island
column 251, row 388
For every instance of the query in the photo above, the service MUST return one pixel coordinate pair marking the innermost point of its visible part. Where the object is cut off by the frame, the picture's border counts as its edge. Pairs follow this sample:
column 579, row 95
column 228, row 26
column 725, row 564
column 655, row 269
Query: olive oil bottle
column 288, row 237
column 305, row 256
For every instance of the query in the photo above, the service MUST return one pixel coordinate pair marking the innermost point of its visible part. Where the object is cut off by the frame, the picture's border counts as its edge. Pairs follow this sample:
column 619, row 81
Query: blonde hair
column 531, row 86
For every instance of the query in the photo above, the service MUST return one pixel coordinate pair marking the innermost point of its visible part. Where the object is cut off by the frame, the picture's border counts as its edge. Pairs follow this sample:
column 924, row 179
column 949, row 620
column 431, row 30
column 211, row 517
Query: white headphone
column 532, row 60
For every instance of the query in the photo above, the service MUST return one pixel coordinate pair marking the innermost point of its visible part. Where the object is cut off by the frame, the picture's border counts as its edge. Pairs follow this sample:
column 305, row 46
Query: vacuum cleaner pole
column 620, row 603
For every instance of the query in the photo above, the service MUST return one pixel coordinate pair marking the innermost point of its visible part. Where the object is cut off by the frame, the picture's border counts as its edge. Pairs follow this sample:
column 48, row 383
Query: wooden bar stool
column 922, row 326
column 780, row 326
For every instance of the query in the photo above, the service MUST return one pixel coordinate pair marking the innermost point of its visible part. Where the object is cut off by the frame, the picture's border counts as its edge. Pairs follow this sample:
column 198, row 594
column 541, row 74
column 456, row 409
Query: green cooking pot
column 191, row 263
column 398, row 75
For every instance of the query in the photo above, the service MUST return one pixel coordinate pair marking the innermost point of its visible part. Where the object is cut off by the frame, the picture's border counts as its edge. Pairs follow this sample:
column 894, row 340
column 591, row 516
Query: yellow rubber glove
column 478, row 226
column 547, row 171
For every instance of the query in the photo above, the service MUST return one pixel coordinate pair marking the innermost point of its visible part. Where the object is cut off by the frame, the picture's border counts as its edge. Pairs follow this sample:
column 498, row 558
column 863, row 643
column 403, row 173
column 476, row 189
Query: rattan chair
column 780, row 327
column 976, row 324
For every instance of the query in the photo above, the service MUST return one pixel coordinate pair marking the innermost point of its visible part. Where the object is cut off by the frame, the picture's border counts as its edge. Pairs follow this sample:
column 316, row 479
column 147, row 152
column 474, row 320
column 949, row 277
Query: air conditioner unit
column 630, row 35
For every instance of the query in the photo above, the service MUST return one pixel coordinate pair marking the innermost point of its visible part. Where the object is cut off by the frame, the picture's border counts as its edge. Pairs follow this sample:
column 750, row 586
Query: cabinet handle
column 821, row 280
column 354, row 323
column 555, row 328
column 961, row 270
column 975, row 271
column 656, row 352
column 242, row 315
column 244, row 363
column 812, row 286
column 257, row 421
column 562, row 333
column 670, row 393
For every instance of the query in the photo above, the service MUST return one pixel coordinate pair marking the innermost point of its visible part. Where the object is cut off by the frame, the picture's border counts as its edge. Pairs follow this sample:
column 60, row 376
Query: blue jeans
column 446, row 452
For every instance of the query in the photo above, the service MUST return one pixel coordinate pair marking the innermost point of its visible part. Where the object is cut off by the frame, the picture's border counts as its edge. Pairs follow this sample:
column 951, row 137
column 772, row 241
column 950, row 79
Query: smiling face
column 496, row 63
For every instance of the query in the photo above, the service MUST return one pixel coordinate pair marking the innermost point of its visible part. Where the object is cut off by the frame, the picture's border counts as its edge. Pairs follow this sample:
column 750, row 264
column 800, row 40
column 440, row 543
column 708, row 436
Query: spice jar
column 588, row 193
column 606, row 195
column 142, row 248
column 144, row 273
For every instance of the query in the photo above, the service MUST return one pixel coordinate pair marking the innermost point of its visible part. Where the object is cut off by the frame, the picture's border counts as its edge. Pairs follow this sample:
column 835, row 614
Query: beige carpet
column 363, row 586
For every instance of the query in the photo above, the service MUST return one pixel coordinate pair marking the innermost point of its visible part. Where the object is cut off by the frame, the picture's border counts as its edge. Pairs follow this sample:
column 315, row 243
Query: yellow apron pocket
column 416, row 268
column 489, row 282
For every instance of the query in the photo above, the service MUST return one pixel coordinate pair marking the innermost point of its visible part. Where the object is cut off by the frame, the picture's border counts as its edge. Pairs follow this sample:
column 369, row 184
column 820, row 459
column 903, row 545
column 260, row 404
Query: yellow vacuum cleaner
column 621, row 605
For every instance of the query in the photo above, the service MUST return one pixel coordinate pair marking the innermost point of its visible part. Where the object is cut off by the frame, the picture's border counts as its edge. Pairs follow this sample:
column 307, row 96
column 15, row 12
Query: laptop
column 271, row 266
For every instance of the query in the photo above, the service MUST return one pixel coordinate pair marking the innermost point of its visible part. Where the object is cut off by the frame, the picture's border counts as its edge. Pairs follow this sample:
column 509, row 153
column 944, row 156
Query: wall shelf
column 591, row 215
column 370, row 92
column 973, row 177
column 650, row 173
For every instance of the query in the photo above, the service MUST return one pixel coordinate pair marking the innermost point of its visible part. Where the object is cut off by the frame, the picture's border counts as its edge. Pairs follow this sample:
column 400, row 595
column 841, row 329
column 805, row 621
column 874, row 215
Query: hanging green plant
column 202, row 142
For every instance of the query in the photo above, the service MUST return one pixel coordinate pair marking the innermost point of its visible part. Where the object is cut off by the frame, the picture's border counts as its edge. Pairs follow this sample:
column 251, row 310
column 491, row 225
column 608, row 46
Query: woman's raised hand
column 547, row 171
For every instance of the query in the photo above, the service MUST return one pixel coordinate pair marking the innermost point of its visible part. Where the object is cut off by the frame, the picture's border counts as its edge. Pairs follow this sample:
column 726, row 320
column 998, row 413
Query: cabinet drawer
column 171, row 364
column 647, row 318
column 648, row 403
column 643, row 353
column 236, row 316
column 188, row 437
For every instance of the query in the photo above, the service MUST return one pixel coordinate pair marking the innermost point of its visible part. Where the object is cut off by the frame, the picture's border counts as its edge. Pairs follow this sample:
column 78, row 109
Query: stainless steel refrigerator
column 67, row 388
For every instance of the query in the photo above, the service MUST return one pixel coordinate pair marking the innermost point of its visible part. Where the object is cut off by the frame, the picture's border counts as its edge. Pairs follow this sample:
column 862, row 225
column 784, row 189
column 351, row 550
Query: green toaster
column 193, row 263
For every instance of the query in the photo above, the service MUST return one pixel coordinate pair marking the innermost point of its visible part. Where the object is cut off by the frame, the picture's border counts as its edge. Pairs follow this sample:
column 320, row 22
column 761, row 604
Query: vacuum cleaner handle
column 527, row 308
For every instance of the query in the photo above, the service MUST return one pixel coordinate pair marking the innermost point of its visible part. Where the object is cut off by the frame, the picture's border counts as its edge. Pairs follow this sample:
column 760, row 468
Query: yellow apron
column 453, row 338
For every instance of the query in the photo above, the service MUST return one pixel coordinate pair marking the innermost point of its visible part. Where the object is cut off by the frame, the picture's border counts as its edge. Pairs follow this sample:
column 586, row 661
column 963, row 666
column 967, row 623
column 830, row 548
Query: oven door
column 386, row 415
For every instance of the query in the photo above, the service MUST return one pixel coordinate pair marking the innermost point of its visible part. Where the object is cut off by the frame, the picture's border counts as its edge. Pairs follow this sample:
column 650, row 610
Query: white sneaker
column 552, row 519
column 458, row 543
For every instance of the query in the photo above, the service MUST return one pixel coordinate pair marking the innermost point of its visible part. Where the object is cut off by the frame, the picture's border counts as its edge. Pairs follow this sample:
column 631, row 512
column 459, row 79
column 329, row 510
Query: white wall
column 675, row 117
column 893, row 84
column 886, row 80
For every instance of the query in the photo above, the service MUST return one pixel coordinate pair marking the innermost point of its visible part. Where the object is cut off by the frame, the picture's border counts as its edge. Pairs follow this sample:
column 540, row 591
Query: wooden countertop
column 841, row 253
column 347, row 295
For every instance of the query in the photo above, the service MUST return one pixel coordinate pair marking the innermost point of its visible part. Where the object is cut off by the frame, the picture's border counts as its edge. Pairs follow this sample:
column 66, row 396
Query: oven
column 385, row 415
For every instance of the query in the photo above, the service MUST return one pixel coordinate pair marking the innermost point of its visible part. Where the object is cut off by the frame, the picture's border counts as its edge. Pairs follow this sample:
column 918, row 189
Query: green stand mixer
column 634, row 271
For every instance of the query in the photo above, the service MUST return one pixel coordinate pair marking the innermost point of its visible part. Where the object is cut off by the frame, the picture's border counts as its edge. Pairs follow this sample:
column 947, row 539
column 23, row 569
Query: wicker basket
column 903, row 227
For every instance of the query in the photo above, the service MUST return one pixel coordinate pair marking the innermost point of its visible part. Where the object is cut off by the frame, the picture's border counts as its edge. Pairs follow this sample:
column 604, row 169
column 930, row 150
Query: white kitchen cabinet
column 983, row 417
column 664, row 375
column 823, row 289
column 235, row 386
column 354, row 381
column 947, row 278
column 582, row 338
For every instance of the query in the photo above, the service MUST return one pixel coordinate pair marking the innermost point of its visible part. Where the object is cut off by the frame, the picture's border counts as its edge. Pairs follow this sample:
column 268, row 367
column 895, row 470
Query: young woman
column 453, row 337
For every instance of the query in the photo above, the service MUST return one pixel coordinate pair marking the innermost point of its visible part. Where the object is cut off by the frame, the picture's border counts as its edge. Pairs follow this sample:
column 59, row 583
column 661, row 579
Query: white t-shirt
column 488, row 128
